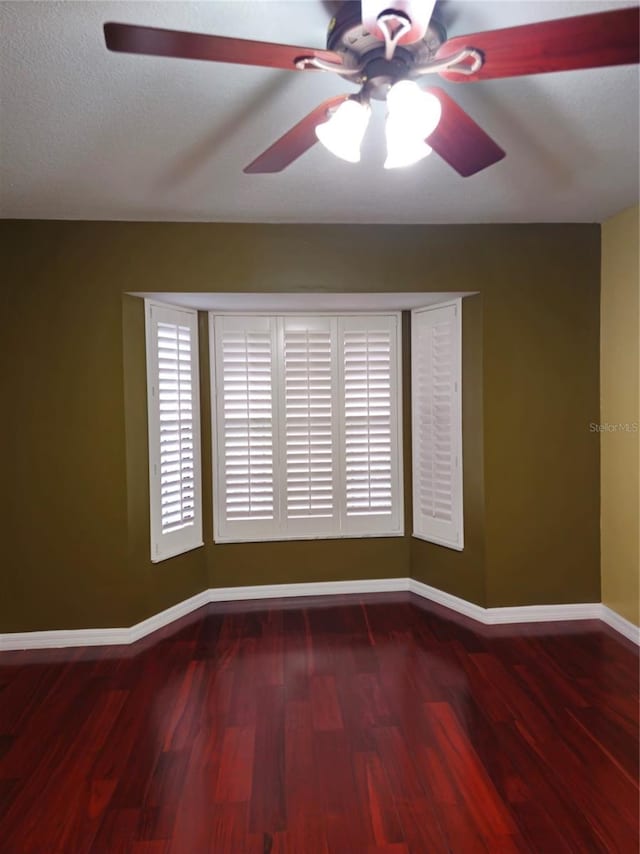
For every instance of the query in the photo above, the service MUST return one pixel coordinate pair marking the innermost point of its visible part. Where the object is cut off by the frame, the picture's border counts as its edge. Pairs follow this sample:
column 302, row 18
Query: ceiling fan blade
column 151, row 41
column 459, row 140
column 295, row 141
column 585, row 41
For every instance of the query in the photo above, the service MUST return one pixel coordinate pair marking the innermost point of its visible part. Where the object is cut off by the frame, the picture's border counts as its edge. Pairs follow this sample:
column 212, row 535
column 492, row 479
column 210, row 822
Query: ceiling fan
column 384, row 50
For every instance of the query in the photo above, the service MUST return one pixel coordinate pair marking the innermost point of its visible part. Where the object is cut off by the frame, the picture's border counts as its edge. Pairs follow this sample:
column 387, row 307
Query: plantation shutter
column 245, row 428
column 174, row 430
column 309, row 425
column 437, row 425
column 370, row 388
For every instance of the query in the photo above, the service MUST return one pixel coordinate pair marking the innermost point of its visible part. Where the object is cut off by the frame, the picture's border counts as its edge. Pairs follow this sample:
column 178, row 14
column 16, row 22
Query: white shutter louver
column 309, row 440
column 174, row 430
column 177, row 487
column 371, row 390
column 437, row 425
column 244, row 438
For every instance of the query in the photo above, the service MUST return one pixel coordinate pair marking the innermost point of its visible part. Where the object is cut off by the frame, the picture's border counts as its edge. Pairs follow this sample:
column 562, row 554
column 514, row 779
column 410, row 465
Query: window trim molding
column 216, row 470
column 459, row 514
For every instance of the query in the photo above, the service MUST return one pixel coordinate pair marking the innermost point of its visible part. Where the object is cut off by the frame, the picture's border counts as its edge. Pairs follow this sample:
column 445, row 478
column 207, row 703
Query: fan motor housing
column 348, row 37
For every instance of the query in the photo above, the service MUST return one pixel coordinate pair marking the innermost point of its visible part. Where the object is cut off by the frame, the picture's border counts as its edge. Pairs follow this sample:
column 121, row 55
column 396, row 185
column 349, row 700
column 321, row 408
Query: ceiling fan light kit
column 413, row 116
column 403, row 151
column 343, row 132
column 384, row 50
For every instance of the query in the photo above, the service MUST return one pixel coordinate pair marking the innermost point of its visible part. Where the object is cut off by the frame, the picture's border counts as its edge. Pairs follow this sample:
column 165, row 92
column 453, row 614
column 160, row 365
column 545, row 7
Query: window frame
column 218, row 489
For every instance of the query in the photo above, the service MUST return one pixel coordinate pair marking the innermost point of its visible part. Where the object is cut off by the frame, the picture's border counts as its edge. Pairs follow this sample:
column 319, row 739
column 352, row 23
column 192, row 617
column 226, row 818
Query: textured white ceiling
column 89, row 134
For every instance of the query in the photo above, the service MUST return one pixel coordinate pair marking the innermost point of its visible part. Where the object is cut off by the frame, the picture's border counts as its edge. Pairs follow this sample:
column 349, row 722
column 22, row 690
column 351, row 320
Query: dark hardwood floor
column 361, row 724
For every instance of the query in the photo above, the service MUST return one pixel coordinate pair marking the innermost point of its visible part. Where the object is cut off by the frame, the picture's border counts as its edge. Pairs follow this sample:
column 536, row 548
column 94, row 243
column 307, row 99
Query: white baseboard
column 460, row 606
column 487, row 616
column 56, row 639
column 169, row 615
column 102, row 637
column 620, row 624
column 116, row 636
column 543, row 613
column 317, row 588
column 515, row 614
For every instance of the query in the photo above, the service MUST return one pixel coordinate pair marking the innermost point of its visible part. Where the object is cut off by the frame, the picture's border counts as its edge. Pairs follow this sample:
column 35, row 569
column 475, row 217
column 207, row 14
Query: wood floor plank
column 375, row 794
column 325, row 708
column 267, row 807
column 348, row 725
column 236, row 765
column 475, row 789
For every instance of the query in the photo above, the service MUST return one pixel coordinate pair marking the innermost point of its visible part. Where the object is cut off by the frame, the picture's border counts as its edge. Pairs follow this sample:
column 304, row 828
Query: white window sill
column 284, row 539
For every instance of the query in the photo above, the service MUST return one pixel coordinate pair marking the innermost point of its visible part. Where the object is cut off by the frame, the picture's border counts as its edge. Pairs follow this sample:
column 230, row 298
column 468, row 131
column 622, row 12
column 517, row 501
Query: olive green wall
column 76, row 544
column 542, row 476
column 530, row 392
column 620, row 415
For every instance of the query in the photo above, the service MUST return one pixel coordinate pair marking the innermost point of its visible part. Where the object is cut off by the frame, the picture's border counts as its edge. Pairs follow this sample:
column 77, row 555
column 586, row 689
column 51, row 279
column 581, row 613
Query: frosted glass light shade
column 403, row 150
column 342, row 134
column 413, row 116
